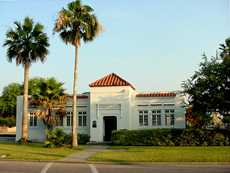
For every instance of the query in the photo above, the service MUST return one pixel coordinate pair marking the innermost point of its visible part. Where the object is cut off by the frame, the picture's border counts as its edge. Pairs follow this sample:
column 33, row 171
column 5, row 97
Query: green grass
column 33, row 151
column 164, row 154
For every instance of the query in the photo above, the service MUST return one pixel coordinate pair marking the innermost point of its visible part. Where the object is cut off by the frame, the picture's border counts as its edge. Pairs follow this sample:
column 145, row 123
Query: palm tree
column 49, row 98
column 74, row 24
column 225, row 51
column 26, row 43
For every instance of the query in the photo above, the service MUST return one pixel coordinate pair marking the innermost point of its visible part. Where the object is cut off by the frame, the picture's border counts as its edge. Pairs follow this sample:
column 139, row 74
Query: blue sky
column 155, row 45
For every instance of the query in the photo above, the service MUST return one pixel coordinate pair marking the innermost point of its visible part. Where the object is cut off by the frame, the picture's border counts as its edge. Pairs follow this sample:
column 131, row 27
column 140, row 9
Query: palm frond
column 26, row 42
column 77, row 22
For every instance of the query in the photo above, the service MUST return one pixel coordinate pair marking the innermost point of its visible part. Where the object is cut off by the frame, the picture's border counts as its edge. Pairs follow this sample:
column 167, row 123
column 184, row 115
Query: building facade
column 112, row 104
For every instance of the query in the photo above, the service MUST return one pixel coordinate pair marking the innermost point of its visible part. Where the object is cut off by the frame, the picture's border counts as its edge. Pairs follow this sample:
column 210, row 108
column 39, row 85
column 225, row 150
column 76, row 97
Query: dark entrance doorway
column 110, row 124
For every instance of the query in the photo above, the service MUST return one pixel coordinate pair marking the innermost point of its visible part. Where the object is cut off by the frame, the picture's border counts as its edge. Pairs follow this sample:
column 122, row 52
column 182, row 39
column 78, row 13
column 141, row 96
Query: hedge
column 172, row 137
column 8, row 121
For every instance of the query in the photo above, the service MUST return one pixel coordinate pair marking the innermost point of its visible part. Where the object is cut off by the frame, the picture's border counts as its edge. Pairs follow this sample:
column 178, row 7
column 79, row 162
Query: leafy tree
column 225, row 55
column 75, row 23
column 26, row 43
column 8, row 99
column 209, row 87
column 50, row 100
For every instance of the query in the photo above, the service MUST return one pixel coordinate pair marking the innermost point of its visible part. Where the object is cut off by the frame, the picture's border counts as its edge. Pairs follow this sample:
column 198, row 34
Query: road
column 46, row 167
column 7, row 137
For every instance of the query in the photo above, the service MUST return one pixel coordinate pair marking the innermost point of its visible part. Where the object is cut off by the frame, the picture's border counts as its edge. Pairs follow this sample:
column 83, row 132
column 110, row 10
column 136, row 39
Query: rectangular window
column 33, row 120
column 82, row 119
column 156, row 117
column 146, row 121
column 169, row 117
column 143, row 118
column 60, row 121
column 172, row 117
column 69, row 119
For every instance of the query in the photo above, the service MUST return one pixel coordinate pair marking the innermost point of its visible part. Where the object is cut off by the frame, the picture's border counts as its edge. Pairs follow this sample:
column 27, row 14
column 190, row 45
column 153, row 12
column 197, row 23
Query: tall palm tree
column 26, row 43
column 75, row 23
column 225, row 51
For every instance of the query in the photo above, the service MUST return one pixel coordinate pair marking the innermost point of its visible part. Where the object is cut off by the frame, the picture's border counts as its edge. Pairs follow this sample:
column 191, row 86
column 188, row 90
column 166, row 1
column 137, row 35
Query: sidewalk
column 82, row 156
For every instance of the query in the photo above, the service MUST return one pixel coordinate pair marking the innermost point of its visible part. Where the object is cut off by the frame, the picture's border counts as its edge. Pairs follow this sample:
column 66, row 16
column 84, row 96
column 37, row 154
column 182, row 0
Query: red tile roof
column 110, row 80
column 158, row 94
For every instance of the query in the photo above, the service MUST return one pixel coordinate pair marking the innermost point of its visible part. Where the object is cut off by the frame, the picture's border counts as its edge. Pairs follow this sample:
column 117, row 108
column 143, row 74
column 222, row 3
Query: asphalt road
column 46, row 167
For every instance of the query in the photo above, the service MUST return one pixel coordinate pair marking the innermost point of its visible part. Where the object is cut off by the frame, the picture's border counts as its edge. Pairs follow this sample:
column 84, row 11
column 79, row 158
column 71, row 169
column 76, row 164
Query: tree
column 8, row 99
column 26, row 43
column 225, row 55
column 74, row 24
column 209, row 87
column 225, row 51
column 50, row 100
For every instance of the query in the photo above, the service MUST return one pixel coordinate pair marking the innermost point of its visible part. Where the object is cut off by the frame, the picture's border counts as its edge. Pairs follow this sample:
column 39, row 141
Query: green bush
column 171, row 137
column 58, row 138
column 226, row 119
column 8, row 121
column 55, row 138
column 83, row 138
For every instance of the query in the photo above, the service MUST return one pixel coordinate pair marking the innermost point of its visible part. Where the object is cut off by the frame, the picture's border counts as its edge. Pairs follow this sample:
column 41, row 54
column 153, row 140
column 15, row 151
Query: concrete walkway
column 82, row 156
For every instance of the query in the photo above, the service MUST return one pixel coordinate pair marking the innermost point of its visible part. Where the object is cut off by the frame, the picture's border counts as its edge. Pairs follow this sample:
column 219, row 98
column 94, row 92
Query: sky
column 153, row 44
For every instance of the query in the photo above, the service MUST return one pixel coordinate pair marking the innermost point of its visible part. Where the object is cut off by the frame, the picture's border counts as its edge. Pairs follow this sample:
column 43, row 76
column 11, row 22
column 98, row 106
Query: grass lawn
column 32, row 152
column 164, row 154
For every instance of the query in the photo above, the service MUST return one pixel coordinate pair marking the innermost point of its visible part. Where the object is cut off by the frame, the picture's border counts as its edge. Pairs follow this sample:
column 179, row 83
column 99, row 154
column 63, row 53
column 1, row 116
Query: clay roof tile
column 111, row 80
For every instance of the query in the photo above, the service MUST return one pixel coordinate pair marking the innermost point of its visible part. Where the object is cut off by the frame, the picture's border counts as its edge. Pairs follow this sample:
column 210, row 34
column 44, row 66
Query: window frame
column 169, row 117
column 143, row 118
column 156, row 117
column 33, row 120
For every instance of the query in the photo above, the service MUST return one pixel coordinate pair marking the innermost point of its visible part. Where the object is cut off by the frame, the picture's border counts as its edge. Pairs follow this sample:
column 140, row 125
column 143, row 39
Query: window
column 169, row 117
column 33, row 120
column 172, row 117
column 156, row 117
column 60, row 121
column 82, row 119
column 143, row 118
column 69, row 119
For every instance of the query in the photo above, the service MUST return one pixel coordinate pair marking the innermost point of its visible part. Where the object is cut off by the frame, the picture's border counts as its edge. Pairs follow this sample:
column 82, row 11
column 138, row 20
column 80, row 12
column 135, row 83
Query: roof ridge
column 111, row 79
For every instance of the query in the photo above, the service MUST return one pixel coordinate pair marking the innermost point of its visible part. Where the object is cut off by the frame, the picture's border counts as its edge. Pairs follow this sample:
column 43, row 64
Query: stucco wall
column 120, row 102
column 100, row 97
column 38, row 133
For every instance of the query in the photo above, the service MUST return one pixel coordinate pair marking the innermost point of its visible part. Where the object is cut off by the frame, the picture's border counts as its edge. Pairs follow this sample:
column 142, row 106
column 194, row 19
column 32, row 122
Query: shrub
column 171, row 137
column 83, row 138
column 55, row 138
column 58, row 138
column 8, row 121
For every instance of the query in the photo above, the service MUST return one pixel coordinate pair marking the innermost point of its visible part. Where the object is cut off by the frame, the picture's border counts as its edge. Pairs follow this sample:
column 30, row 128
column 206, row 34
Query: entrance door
column 110, row 124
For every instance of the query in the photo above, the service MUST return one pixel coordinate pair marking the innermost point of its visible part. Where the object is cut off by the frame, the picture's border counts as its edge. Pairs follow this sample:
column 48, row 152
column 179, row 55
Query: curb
column 122, row 163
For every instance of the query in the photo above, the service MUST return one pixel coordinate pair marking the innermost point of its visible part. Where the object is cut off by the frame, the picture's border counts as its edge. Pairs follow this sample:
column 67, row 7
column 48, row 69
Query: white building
column 113, row 103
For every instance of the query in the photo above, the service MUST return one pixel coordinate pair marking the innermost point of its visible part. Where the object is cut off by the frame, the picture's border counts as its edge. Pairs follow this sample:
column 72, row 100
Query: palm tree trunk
column 75, row 118
column 25, row 105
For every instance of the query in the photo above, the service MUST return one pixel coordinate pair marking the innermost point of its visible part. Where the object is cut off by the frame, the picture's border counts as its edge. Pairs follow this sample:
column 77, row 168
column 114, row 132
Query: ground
column 76, row 161
column 164, row 154
column 33, row 152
